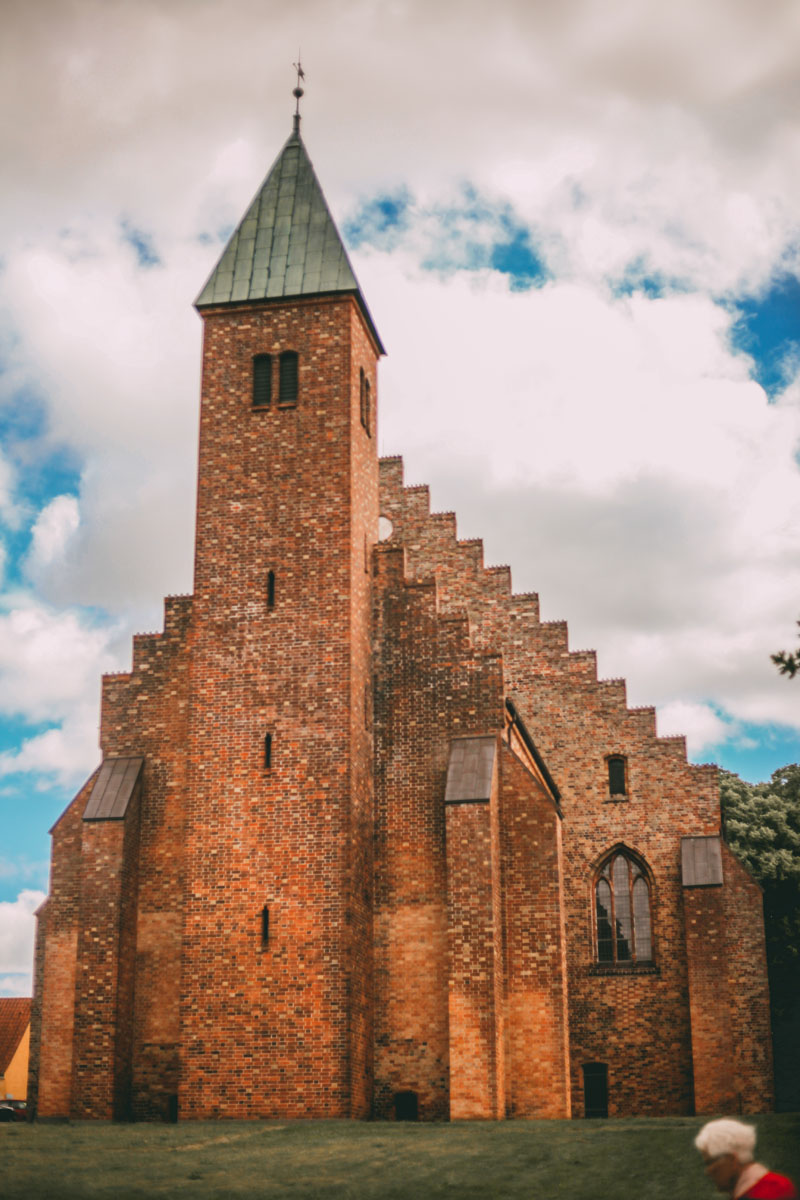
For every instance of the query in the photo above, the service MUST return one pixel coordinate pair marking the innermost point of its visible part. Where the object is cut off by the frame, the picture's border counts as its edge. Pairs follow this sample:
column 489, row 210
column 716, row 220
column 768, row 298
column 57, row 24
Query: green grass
column 335, row 1160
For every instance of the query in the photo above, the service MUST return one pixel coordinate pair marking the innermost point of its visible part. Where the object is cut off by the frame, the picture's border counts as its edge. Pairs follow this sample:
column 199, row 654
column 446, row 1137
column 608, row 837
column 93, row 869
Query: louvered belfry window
column 262, row 380
column 622, row 912
column 287, row 395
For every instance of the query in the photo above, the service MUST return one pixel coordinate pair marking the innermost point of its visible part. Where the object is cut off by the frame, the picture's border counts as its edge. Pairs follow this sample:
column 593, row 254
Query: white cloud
column 116, row 357
column 9, row 509
column 47, row 660
column 65, row 754
column 17, row 931
column 53, row 530
column 50, row 669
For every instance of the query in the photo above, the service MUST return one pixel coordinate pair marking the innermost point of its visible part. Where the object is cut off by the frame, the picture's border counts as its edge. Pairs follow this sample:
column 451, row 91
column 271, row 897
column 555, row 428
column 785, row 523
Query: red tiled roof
column 15, row 1015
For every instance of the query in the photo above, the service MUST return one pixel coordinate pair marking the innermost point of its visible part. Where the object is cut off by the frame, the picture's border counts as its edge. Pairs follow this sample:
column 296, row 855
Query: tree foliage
column 761, row 823
column 787, row 664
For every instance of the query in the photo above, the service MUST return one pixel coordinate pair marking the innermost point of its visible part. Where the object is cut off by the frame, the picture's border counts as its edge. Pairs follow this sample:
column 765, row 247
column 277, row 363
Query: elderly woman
column 727, row 1149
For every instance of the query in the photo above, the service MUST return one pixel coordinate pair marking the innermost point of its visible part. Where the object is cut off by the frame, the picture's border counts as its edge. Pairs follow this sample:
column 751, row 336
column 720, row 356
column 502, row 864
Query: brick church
column 367, row 838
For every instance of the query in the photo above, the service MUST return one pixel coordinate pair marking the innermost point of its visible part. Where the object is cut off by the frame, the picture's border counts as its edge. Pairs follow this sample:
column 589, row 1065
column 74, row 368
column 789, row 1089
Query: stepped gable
column 499, row 616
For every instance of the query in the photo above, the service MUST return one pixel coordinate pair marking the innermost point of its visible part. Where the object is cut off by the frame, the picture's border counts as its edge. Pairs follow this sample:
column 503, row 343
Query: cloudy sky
column 576, row 228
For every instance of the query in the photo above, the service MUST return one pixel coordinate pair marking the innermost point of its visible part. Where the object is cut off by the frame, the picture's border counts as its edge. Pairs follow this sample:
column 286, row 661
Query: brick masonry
column 289, row 921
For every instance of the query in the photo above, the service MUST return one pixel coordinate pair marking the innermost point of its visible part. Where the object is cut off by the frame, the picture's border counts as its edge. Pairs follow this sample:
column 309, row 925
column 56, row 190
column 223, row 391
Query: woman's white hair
column 727, row 1137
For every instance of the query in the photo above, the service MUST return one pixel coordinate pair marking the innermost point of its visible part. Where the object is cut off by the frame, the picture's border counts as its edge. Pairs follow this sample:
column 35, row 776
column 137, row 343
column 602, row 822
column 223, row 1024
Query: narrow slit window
column 267, row 751
column 262, row 380
column 616, row 775
column 367, row 408
column 270, row 589
column 287, row 394
column 265, row 925
column 362, row 397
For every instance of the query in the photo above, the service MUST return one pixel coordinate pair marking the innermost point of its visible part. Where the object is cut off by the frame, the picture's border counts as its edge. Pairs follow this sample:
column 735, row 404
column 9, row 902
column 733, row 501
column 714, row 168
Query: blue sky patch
column 472, row 234
column 379, row 220
column 768, row 329
column 141, row 243
column 517, row 258
column 756, row 751
column 638, row 278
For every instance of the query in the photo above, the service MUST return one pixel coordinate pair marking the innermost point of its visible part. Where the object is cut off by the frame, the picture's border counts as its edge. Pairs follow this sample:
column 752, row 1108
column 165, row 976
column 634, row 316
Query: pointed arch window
column 623, row 930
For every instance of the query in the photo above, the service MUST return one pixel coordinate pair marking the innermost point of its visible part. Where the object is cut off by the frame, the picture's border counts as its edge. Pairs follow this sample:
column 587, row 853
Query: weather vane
column 298, row 92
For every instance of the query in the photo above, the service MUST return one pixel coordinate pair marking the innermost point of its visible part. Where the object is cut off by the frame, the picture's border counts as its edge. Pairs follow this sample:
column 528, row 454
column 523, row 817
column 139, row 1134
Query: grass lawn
column 646, row 1159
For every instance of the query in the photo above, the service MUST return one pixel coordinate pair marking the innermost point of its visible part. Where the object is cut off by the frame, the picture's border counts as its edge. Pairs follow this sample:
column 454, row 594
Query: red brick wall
column 145, row 713
column 475, row 963
column 282, row 1030
column 746, row 960
column 103, row 1030
column 51, row 1065
column 537, row 1072
column 576, row 722
column 430, row 686
column 729, row 997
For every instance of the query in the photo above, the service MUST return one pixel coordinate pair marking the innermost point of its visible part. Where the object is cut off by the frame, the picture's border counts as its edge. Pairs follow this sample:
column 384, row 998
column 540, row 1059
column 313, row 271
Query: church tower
column 276, row 957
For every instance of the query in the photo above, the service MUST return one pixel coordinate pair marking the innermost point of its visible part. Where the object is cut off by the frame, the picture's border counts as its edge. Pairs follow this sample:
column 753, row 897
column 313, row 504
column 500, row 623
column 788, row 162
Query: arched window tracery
column 622, row 920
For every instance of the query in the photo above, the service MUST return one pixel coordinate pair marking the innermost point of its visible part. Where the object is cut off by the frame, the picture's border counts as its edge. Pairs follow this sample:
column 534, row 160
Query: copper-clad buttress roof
column 287, row 244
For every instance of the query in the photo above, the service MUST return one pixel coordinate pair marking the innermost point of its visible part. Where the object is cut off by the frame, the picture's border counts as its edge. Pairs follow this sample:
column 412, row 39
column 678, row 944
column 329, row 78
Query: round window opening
column 385, row 529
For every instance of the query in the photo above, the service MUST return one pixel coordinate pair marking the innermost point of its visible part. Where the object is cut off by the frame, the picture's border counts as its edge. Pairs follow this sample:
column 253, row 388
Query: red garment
column 772, row 1187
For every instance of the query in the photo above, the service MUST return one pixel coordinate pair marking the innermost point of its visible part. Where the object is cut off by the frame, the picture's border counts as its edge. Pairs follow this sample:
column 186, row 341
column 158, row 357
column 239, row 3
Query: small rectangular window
column 262, row 380
column 267, row 751
column 270, row 589
column 367, row 408
column 265, row 925
column 616, row 775
column 287, row 393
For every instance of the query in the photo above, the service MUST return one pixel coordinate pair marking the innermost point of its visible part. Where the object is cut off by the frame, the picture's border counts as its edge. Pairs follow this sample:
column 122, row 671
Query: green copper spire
column 287, row 244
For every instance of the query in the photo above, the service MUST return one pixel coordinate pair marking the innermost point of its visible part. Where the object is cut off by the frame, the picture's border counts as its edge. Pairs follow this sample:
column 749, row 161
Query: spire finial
column 298, row 92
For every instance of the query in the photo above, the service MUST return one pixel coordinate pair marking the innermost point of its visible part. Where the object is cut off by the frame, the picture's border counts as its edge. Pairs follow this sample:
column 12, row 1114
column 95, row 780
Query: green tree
column 787, row 664
column 761, row 823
